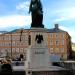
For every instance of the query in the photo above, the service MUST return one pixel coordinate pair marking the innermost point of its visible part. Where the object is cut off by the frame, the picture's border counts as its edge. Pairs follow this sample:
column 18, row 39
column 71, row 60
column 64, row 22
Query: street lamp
column 11, row 45
column 10, row 34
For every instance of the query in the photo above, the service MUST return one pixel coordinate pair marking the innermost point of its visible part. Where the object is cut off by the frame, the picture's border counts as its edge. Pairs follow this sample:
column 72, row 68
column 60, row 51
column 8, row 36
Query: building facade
column 59, row 44
column 15, row 43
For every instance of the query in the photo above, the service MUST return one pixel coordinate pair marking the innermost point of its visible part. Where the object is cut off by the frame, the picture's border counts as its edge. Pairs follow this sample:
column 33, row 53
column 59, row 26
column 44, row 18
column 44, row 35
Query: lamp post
column 11, row 45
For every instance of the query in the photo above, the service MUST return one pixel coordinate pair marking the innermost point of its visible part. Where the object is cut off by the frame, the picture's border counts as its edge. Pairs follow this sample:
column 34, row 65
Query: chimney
column 56, row 26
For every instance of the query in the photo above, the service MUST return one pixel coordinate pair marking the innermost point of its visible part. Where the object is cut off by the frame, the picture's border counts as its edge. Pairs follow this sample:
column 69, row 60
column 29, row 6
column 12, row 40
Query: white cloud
column 70, row 31
column 23, row 6
column 14, row 20
column 65, row 14
column 60, row 19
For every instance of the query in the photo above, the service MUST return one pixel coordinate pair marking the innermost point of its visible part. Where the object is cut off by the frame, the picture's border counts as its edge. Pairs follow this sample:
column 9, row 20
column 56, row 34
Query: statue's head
column 35, row 0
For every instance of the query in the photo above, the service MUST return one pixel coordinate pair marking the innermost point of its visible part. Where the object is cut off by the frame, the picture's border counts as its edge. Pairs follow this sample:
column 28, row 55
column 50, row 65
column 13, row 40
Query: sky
column 14, row 14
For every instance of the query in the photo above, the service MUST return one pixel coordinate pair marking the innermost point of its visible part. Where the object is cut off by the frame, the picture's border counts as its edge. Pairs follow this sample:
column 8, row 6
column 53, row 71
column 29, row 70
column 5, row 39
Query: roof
column 55, row 30
column 52, row 30
column 13, row 31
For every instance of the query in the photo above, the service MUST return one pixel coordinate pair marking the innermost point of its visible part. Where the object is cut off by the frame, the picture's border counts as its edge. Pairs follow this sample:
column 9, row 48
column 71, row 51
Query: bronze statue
column 37, row 13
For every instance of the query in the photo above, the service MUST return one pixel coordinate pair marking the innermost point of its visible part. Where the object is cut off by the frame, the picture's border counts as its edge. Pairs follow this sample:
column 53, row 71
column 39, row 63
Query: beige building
column 59, row 43
column 16, row 42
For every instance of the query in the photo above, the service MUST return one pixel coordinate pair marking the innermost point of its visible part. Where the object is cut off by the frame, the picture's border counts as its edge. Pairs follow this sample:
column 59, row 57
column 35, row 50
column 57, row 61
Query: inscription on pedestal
column 36, row 52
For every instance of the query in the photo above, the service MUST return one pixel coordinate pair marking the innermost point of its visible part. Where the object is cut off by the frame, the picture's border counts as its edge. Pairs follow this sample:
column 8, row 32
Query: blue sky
column 14, row 14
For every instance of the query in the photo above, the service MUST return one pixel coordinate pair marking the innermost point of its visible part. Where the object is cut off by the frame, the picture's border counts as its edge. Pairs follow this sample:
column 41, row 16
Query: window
column 26, row 37
column 23, row 38
column 57, row 42
column 2, row 43
column 51, row 49
column 21, row 50
column 51, row 35
column 9, row 37
column 9, row 43
column 17, row 37
column 0, row 37
column 6, row 37
column 13, row 37
column 57, row 35
column 62, row 35
column 62, row 49
column 17, row 50
column 3, row 50
column 25, row 50
column 51, row 42
column 9, row 50
column 18, row 43
column 13, row 50
column 62, row 42
column 6, row 43
column 13, row 43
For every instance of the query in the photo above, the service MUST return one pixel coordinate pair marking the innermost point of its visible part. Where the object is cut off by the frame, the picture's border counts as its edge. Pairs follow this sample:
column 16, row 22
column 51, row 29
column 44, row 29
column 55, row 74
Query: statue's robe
column 37, row 14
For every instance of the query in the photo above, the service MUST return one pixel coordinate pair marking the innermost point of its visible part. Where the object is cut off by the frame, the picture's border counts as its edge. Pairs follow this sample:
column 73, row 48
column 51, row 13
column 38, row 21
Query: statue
column 36, row 13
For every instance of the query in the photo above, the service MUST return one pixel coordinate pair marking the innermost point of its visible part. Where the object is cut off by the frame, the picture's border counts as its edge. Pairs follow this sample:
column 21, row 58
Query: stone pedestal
column 39, row 57
column 38, row 52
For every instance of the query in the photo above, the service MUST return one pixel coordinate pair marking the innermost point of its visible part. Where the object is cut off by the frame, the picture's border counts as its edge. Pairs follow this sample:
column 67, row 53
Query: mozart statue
column 36, row 13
